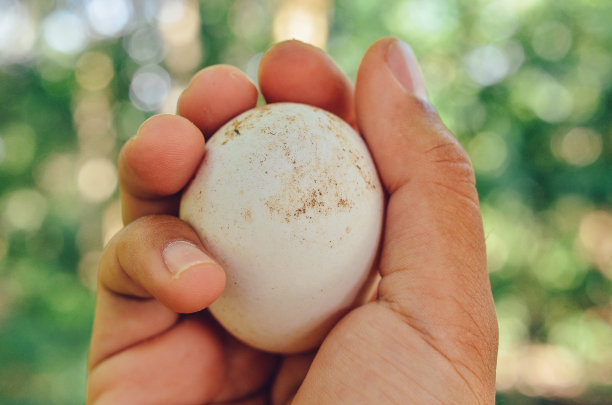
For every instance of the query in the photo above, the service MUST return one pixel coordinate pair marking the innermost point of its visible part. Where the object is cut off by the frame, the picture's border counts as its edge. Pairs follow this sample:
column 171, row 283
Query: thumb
column 433, row 260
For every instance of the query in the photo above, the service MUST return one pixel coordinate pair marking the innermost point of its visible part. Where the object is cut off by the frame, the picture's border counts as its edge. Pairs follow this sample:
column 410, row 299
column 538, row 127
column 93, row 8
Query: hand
column 429, row 337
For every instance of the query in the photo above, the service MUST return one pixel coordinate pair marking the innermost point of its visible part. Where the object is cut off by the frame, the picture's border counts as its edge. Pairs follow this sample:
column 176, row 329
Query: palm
column 352, row 351
column 242, row 374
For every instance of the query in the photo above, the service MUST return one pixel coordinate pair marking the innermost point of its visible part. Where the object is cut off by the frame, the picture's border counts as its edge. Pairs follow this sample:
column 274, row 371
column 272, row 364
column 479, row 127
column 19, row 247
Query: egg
column 288, row 201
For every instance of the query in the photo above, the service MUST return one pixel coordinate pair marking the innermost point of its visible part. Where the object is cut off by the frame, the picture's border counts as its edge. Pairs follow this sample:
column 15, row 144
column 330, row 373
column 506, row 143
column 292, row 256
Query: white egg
column 288, row 201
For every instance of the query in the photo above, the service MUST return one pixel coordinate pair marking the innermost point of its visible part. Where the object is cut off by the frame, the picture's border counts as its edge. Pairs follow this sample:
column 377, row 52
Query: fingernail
column 405, row 68
column 180, row 256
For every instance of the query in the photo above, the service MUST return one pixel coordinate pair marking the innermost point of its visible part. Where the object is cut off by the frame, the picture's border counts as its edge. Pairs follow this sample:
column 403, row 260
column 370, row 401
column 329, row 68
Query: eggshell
column 288, row 201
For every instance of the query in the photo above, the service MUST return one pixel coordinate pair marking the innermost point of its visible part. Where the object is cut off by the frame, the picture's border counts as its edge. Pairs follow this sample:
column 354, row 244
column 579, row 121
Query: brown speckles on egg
column 308, row 195
column 279, row 200
column 247, row 215
column 232, row 131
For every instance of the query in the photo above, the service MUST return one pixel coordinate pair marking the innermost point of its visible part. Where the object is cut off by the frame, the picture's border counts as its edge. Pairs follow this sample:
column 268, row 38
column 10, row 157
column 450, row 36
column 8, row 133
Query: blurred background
column 524, row 84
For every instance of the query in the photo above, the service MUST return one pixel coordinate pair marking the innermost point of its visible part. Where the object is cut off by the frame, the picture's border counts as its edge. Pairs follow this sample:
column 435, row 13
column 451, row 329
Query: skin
column 430, row 335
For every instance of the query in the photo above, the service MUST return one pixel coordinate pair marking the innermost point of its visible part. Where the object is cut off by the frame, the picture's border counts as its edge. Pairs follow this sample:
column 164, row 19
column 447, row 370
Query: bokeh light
column 97, row 179
column 549, row 99
column 52, row 174
column 108, row 17
column 94, row 71
column 149, row 88
column 488, row 151
column 595, row 236
column 179, row 25
column 578, row 147
column 145, row 45
column 17, row 32
column 25, row 209
column 18, row 147
column 487, row 65
column 497, row 20
column 2, row 151
column 425, row 20
column 251, row 21
column 65, row 31
column 552, row 40
column 548, row 370
column 302, row 20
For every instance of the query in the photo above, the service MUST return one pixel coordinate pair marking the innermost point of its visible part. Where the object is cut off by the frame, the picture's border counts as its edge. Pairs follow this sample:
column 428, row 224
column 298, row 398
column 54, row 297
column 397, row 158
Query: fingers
column 249, row 372
column 291, row 373
column 181, row 365
column 161, row 257
column 142, row 350
column 215, row 95
column 156, row 165
column 155, row 257
column 433, row 262
column 297, row 72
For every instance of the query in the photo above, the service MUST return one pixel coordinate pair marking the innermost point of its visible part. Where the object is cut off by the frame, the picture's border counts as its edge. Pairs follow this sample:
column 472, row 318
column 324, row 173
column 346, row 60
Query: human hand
column 430, row 336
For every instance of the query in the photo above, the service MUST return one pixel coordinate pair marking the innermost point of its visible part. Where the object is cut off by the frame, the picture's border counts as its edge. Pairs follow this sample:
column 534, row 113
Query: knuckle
column 452, row 170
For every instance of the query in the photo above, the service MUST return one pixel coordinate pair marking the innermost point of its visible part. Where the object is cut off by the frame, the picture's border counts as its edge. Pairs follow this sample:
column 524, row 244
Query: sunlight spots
column 25, row 209
column 97, row 179
column 302, row 20
column 108, row 17
column 149, row 87
column 65, row 32
column 17, row 32
column 94, row 70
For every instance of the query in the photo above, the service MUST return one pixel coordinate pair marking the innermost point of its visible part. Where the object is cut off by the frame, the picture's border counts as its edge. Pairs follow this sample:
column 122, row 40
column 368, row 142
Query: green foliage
column 525, row 85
